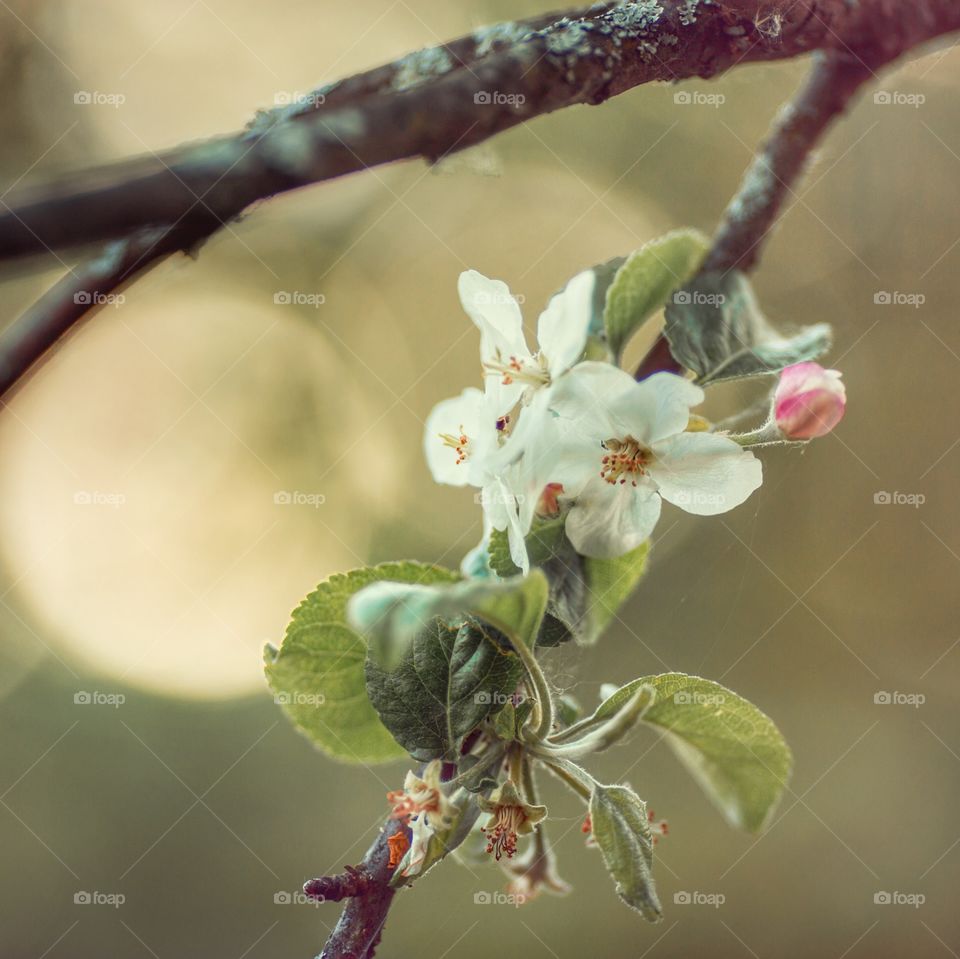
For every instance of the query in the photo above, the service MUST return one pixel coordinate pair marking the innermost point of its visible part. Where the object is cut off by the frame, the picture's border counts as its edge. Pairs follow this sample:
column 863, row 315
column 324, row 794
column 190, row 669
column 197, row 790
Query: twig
column 77, row 296
column 835, row 79
column 352, row 882
column 749, row 218
column 369, row 894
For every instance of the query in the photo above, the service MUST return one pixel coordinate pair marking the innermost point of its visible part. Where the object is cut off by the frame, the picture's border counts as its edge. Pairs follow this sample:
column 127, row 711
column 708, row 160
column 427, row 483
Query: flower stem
column 579, row 780
column 541, row 689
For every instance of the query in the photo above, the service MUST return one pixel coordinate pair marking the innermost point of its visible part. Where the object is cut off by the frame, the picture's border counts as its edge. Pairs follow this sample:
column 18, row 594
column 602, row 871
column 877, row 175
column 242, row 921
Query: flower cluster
column 552, row 430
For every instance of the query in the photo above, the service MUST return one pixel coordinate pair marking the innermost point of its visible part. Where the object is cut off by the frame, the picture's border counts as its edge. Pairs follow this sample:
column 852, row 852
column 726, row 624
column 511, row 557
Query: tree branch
column 76, row 297
column 771, row 177
column 839, row 72
column 429, row 104
column 367, row 887
column 449, row 97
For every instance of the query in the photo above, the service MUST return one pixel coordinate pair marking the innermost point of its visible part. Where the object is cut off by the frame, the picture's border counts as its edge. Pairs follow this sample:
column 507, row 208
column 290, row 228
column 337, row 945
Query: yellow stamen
column 625, row 461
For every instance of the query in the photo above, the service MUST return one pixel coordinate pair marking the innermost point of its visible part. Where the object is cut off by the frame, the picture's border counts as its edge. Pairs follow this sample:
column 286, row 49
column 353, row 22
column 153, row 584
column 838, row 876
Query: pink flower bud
column 809, row 401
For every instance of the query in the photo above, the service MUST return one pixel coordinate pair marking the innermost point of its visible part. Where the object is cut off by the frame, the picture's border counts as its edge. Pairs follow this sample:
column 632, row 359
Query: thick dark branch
column 444, row 99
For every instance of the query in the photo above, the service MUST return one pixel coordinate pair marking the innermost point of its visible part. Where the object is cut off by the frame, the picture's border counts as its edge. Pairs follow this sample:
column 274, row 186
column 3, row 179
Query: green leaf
column 644, row 282
column 480, row 773
column 505, row 723
column 392, row 614
column 510, row 720
column 716, row 329
column 731, row 748
column 611, row 581
column 515, row 606
column 545, row 541
column 585, row 593
column 448, row 680
column 622, row 831
column 317, row 675
column 603, row 277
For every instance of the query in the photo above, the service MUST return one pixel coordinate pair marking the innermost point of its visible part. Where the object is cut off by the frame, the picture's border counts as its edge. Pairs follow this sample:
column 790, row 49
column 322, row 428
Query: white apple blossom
column 562, row 332
column 478, row 438
column 461, row 436
column 465, row 444
column 620, row 447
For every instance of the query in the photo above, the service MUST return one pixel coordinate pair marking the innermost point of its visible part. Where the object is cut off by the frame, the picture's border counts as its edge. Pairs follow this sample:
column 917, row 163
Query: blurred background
column 147, row 556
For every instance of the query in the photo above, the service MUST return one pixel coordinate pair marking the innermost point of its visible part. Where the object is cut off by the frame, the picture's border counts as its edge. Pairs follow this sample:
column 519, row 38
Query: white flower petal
column 657, row 407
column 608, row 521
column 563, row 326
column 496, row 313
column 421, row 832
column 703, row 473
column 501, row 512
column 460, row 415
column 554, row 451
column 583, row 397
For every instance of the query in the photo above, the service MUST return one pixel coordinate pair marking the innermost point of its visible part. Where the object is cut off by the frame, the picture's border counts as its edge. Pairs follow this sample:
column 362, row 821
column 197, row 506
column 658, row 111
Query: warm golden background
column 190, row 405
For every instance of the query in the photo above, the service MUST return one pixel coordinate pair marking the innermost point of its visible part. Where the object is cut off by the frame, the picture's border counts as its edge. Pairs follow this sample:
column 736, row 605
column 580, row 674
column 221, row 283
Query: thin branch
column 749, row 219
column 78, row 296
column 369, row 894
column 775, row 170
